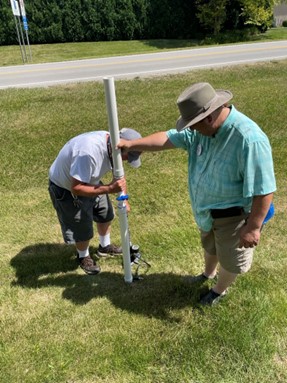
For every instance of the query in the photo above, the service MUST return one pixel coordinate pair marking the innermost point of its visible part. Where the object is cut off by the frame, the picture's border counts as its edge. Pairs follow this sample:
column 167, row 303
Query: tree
column 71, row 19
column 212, row 14
column 7, row 24
column 140, row 11
column 45, row 22
column 125, row 21
column 258, row 13
column 166, row 19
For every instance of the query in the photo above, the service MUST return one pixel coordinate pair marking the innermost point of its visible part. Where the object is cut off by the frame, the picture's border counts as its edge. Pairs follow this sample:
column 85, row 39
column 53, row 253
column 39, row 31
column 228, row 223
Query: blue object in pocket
column 270, row 214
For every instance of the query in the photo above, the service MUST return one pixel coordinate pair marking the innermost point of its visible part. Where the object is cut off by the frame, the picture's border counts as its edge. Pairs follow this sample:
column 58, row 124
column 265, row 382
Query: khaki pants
column 223, row 240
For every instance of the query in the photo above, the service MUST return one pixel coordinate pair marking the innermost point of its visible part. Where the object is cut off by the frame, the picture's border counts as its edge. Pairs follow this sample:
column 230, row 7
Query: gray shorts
column 76, row 215
column 223, row 240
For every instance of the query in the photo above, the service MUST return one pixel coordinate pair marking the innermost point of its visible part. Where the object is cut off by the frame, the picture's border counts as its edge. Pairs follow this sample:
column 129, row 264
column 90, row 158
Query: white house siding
column 280, row 14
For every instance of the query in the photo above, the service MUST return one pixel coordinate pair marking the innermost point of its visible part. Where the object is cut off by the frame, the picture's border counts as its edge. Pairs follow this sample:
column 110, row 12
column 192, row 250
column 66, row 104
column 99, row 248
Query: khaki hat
column 199, row 101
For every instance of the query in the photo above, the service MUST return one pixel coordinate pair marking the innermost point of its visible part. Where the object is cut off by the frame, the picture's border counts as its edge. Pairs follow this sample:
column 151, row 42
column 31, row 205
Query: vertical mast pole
column 118, row 171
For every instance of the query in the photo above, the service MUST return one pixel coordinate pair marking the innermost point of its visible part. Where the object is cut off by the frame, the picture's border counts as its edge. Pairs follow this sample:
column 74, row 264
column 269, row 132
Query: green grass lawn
column 11, row 55
column 58, row 324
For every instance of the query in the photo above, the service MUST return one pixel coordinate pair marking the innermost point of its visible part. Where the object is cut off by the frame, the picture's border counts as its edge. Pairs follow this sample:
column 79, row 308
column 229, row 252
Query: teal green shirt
column 228, row 169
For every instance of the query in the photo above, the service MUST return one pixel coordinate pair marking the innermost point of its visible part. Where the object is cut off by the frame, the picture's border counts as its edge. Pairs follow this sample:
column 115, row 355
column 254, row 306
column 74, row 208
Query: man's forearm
column 259, row 210
column 155, row 142
column 86, row 190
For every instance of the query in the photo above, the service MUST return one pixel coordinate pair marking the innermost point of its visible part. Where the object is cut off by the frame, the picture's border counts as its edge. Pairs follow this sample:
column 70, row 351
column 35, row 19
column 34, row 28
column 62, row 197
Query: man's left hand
column 249, row 238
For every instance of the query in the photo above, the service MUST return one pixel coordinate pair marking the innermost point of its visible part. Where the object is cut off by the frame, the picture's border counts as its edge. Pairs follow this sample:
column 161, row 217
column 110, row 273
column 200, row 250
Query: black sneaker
column 211, row 298
column 89, row 265
column 109, row 251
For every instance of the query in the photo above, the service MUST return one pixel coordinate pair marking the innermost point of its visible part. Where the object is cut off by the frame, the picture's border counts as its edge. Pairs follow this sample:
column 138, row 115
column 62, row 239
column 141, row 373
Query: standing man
column 79, row 197
column 231, row 180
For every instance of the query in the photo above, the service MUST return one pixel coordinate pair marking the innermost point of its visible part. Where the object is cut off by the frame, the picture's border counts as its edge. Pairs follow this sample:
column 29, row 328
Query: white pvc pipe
column 118, row 171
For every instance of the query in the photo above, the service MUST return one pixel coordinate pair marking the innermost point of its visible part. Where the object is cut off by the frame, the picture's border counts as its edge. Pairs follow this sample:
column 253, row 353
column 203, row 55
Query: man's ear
column 209, row 119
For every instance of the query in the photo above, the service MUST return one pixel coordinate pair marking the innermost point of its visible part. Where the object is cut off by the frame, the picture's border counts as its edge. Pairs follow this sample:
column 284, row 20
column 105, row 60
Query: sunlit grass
column 60, row 325
column 11, row 55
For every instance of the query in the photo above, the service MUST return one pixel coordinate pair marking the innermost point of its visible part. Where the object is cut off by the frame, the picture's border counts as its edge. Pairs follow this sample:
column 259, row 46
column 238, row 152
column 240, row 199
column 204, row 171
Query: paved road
column 139, row 65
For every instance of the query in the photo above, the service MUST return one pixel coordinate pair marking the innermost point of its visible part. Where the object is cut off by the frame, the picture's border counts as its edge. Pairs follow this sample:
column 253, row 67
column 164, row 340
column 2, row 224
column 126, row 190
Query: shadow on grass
column 171, row 43
column 227, row 37
column 157, row 295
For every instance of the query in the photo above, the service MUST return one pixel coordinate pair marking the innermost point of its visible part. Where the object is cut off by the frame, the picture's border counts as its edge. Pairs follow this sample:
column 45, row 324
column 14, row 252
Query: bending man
column 79, row 197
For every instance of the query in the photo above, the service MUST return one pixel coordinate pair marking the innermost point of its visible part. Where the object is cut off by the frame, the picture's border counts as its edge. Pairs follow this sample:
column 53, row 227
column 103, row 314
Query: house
column 280, row 14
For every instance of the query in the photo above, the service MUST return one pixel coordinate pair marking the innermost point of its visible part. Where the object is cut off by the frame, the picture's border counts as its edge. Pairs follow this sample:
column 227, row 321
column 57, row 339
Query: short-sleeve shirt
column 228, row 169
column 84, row 157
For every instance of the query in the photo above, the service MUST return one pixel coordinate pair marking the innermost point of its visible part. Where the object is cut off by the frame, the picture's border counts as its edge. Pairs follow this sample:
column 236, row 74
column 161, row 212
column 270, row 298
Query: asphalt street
column 143, row 65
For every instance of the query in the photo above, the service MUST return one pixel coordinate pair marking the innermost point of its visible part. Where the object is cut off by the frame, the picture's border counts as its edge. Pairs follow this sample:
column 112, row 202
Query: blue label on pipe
column 122, row 197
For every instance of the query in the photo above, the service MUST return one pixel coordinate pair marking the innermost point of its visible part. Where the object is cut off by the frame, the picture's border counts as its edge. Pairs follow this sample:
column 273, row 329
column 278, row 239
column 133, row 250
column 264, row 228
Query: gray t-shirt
column 84, row 157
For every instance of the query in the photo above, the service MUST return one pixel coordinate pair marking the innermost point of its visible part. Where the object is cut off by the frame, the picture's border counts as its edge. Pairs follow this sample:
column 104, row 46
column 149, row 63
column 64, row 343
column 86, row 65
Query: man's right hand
column 123, row 145
column 117, row 185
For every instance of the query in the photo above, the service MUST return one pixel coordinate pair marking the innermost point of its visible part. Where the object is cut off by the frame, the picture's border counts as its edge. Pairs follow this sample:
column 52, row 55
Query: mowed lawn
column 42, row 53
column 58, row 324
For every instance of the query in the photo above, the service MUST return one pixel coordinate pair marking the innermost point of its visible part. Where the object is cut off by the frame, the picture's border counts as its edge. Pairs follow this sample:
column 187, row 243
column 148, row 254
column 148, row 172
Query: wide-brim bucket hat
column 199, row 101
